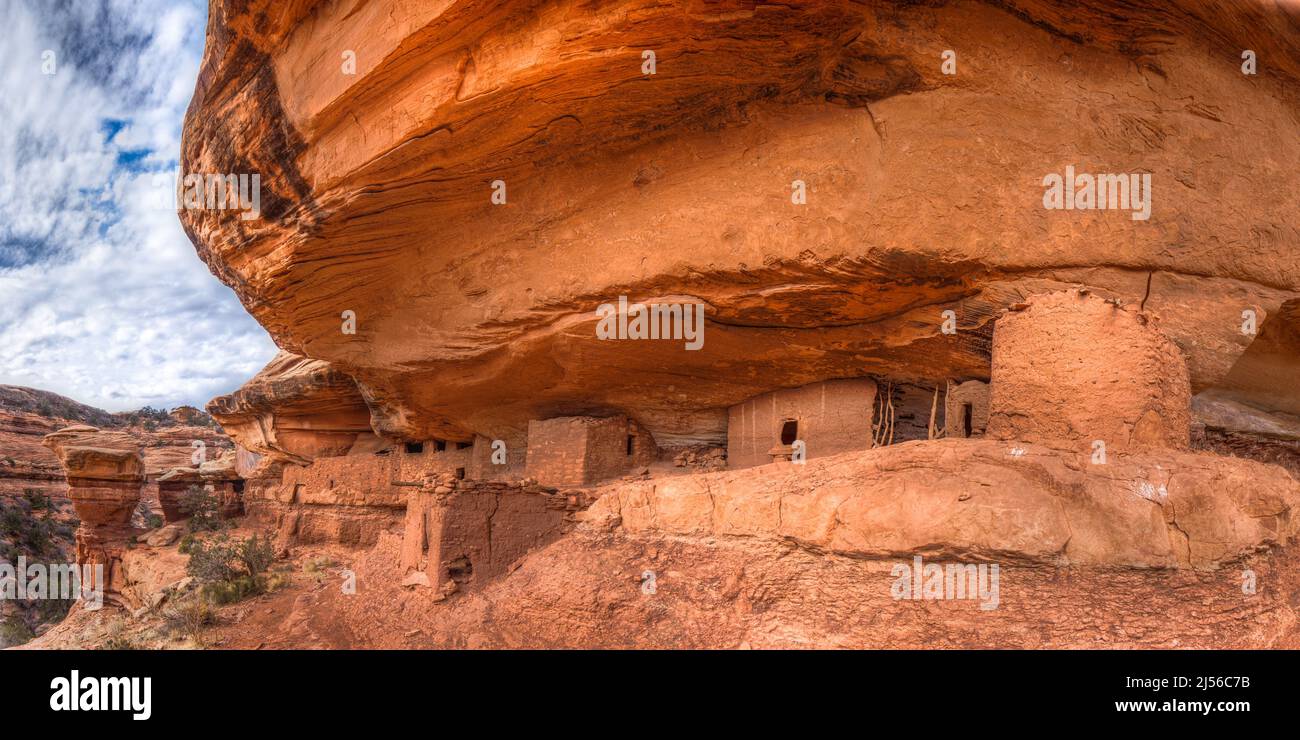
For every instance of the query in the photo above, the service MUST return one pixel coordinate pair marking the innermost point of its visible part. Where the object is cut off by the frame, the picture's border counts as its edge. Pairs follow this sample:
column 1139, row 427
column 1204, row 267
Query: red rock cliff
column 923, row 190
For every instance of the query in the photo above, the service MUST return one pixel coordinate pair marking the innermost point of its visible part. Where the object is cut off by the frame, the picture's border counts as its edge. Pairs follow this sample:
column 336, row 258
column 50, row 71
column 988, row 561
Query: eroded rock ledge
column 982, row 500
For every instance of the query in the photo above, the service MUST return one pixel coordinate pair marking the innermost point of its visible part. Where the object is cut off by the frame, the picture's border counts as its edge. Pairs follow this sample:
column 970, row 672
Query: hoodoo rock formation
column 908, row 348
column 106, row 474
column 110, row 474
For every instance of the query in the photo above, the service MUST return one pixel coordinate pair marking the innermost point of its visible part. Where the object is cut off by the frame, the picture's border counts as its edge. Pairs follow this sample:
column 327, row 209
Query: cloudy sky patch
column 102, row 297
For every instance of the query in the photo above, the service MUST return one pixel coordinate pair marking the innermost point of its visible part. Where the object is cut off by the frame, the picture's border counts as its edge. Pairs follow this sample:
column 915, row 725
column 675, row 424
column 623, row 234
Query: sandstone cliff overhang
column 294, row 410
column 922, row 192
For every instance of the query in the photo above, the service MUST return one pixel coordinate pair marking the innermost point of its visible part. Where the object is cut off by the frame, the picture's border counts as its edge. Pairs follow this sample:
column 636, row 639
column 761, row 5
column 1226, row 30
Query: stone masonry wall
column 833, row 416
column 971, row 392
column 1072, row 368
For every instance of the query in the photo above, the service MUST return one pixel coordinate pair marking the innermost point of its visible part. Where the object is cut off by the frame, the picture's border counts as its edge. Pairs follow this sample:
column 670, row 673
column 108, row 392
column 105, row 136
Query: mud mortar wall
column 972, row 393
column 1071, row 369
column 832, row 417
column 346, row 500
column 578, row 450
column 471, row 535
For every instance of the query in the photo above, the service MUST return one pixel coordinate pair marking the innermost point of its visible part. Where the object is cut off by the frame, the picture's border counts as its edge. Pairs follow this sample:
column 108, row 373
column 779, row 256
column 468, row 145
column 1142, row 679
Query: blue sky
column 102, row 297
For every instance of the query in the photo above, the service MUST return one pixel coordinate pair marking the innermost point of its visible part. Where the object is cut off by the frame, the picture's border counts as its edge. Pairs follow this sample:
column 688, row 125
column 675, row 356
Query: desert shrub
column 53, row 610
column 315, row 565
column 121, row 642
column 201, row 506
column 14, row 631
column 188, row 617
column 235, row 589
column 38, row 500
column 231, row 570
column 119, row 639
column 13, row 519
column 275, row 581
column 214, row 559
column 256, row 553
column 25, row 532
column 31, row 535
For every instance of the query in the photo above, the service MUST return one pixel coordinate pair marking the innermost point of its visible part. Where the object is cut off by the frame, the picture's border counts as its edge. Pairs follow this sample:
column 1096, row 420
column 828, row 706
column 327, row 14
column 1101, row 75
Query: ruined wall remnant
column 829, row 417
column 966, row 409
column 1072, row 368
column 578, row 450
column 461, row 532
column 345, row 500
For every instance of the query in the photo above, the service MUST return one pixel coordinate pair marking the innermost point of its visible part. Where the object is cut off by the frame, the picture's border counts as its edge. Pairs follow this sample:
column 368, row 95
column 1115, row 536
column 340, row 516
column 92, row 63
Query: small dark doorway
column 460, row 473
column 631, row 444
column 967, row 414
column 414, row 448
column 789, row 432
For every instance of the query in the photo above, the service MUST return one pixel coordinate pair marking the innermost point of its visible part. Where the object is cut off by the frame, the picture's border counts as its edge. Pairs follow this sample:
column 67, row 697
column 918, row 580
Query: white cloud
column 102, row 297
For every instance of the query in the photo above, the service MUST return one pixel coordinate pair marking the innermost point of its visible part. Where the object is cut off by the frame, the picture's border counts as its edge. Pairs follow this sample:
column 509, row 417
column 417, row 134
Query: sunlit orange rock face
column 295, row 410
column 379, row 128
column 858, row 193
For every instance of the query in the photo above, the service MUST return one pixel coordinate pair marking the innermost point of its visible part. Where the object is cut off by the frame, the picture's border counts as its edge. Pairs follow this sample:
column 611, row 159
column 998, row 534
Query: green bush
column 14, row 631
column 256, row 553
column 188, row 617
column 201, row 506
column 230, row 570
column 236, row 589
column 31, row 535
column 214, row 559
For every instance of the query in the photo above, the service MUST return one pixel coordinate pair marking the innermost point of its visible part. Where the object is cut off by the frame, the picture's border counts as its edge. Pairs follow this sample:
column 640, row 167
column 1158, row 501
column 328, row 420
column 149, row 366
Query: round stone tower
column 1071, row 368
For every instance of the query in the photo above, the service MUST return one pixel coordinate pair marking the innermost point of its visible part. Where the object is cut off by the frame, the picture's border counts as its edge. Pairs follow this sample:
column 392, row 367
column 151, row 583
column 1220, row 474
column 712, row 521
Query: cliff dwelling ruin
column 903, row 352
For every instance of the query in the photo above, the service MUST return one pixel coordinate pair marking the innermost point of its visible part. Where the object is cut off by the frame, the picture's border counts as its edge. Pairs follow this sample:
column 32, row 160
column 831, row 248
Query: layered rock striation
column 923, row 191
column 859, row 212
